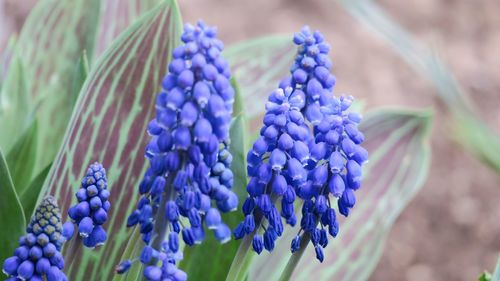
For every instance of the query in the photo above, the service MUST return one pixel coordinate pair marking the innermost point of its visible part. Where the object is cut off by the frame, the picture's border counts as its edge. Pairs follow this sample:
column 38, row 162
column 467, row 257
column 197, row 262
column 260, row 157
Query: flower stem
column 161, row 224
column 295, row 258
column 242, row 260
column 241, row 263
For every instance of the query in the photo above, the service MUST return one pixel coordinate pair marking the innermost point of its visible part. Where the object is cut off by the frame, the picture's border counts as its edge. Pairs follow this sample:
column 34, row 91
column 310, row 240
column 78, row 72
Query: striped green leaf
column 108, row 125
column 30, row 195
column 51, row 43
column 11, row 213
column 258, row 65
column 15, row 113
column 239, row 141
column 81, row 71
column 398, row 166
column 496, row 273
column 115, row 17
column 6, row 58
column 52, row 40
column 486, row 276
column 21, row 158
column 238, row 149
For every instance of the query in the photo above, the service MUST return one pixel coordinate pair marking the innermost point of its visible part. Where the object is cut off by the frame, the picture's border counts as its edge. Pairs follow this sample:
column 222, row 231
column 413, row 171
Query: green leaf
column 64, row 29
column 29, row 197
column 238, row 148
column 469, row 129
column 109, row 125
column 238, row 144
column 195, row 258
column 11, row 213
column 481, row 140
column 21, row 158
column 398, row 166
column 6, row 58
column 258, row 65
column 115, row 17
column 15, row 115
column 51, row 42
column 81, row 72
column 496, row 274
column 485, row 277
column 238, row 99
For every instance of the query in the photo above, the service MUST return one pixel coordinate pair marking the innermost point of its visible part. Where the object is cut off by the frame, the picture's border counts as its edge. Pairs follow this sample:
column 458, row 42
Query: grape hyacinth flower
column 38, row 256
column 188, row 176
column 309, row 149
column 91, row 211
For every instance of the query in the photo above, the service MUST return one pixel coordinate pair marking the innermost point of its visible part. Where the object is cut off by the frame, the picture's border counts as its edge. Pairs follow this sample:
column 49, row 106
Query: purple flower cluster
column 275, row 164
column 91, row 211
column 188, row 155
column 38, row 256
column 309, row 148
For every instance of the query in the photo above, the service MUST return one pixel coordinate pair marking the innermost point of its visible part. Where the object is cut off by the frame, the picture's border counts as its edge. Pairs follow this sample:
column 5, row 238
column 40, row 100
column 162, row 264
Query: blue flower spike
column 38, row 256
column 91, row 211
column 189, row 182
column 309, row 149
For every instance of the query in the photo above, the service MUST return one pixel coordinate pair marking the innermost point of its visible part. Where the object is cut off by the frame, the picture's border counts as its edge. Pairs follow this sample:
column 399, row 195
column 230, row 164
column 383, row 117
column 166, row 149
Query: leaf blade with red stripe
column 108, row 125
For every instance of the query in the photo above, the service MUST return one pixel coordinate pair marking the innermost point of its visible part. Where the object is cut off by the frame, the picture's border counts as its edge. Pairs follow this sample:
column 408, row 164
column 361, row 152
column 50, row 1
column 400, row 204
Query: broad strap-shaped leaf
column 398, row 166
column 21, row 158
column 238, row 147
column 496, row 274
column 239, row 142
column 115, row 17
column 29, row 196
column 11, row 213
column 6, row 58
column 258, row 65
column 15, row 117
column 109, row 125
column 485, row 277
column 51, row 42
column 81, row 72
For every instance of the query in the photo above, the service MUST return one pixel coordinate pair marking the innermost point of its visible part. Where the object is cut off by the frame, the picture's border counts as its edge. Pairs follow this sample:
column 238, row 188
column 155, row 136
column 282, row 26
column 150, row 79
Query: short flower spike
column 309, row 148
column 189, row 177
column 91, row 211
column 38, row 256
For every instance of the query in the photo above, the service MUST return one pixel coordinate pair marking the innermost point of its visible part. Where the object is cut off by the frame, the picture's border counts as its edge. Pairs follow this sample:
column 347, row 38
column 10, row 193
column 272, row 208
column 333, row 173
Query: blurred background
column 451, row 229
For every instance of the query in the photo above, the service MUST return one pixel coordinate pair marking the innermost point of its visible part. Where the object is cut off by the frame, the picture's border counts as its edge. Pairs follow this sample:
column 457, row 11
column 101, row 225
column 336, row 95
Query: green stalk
column 161, row 223
column 242, row 260
column 295, row 258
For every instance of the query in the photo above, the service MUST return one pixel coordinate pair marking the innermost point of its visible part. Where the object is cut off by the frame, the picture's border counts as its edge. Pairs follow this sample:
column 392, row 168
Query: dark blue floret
column 38, row 256
column 309, row 148
column 91, row 211
column 189, row 181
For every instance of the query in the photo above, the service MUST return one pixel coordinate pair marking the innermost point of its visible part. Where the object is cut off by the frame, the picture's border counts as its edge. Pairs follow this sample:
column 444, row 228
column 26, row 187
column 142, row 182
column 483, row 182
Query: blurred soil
column 451, row 229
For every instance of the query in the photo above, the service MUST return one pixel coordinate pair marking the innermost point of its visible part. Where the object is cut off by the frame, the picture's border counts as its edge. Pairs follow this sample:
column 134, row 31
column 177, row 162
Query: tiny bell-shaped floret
column 91, row 211
column 39, row 249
